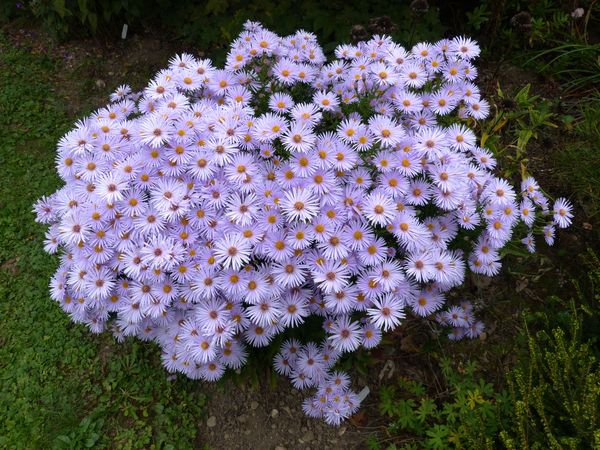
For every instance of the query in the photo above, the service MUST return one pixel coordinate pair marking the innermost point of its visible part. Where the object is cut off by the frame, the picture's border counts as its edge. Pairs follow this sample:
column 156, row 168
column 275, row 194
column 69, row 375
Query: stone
column 211, row 422
column 253, row 405
column 274, row 414
column 307, row 437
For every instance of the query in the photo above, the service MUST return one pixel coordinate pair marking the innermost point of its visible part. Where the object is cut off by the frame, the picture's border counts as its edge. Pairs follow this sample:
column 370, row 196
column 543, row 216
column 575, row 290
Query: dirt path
column 267, row 418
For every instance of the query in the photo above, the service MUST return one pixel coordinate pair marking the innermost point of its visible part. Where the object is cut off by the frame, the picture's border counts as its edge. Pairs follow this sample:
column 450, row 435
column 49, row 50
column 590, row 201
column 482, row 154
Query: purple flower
column 217, row 208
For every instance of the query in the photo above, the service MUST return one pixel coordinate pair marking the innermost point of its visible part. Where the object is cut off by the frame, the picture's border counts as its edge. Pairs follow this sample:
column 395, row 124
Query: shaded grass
column 61, row 386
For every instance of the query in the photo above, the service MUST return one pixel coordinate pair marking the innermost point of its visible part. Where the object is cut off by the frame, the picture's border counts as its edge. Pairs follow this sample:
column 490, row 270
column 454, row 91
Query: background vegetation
column 532, row 381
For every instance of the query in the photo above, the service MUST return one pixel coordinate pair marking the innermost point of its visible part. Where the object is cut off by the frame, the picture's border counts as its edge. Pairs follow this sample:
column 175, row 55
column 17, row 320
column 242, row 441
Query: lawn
column 62, row 386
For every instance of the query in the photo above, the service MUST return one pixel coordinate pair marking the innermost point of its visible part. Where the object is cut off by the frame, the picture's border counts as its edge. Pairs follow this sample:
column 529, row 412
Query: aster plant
column 219, row 208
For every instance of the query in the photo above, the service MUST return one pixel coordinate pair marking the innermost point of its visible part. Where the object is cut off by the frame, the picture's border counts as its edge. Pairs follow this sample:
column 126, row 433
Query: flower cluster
column 218, row 208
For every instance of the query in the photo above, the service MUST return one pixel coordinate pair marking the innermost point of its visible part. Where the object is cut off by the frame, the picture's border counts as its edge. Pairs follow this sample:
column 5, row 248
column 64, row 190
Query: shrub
column 213, row 24
column 468, row 414
column 555, row 394
column 551, row 399
column 219, row 208
column 552, row 402
column 555, row 389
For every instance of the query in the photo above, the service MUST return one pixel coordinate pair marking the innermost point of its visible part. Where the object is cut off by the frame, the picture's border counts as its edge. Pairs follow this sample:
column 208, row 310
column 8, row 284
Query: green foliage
column 576, row 65
column 555, row 393
column 63, row 17
column 578, row 161
column 552, row 399
column 63, row 387
column 555, row 390
column 214, row 23
column 519, row 117
column 467, row 414
column 514, row 25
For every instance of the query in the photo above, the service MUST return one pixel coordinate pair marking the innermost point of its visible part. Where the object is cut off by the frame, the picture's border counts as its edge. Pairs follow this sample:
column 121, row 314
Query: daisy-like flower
column 460, row 137
column 269, row 126
column 386, row 312
column 527, row 212
column 549, row 234
column 413, row 75
column 161, row 253
column 155, row 131
column 478, row 109
column 232, row 251
column 499, row 192
column 358, row 235
column 331, row 276
column 371, row 335
column 99, row 283
column 333, row 247
column 74, row 229
column 389, row 275
column 327, row 101
column 375, row 252
column 426, row 303
column 299, row 138
column 345, row 334
column 562, row 211
column 447, row 177
column 383, row 75
column 484, row 158
column 242, row 210
column 300, row 236
column 210, row 211
column 290, row 273
column 294, row 309
column 379, row 209
column 285, row 71
column 410, row 233
column 212, row 314
column 529, row 186
column 265, row 313
column 300, row 205
column 306, row 113
column 364, row 139
column 529, row 243
column 385, row 130
column 281, row 103
column 465, row 48
column 407, row 102
column 347, row 129
column 419, row 193
column 111, row 187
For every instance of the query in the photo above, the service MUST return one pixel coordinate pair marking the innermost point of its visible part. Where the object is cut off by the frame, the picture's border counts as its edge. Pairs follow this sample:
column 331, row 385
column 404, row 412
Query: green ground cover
column 61, row 386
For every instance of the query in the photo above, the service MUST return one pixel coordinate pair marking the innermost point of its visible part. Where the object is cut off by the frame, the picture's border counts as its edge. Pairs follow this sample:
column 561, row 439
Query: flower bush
column 219, row 208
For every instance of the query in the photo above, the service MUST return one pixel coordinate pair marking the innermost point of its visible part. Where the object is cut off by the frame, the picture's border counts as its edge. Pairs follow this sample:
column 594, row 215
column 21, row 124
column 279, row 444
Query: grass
column 63, row 387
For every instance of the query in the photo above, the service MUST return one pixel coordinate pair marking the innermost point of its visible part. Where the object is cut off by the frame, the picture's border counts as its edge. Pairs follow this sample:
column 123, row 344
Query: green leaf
column 405, row 413
column 93, row 20
column 438, row 436
column 426, row 409
column 60, row 8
